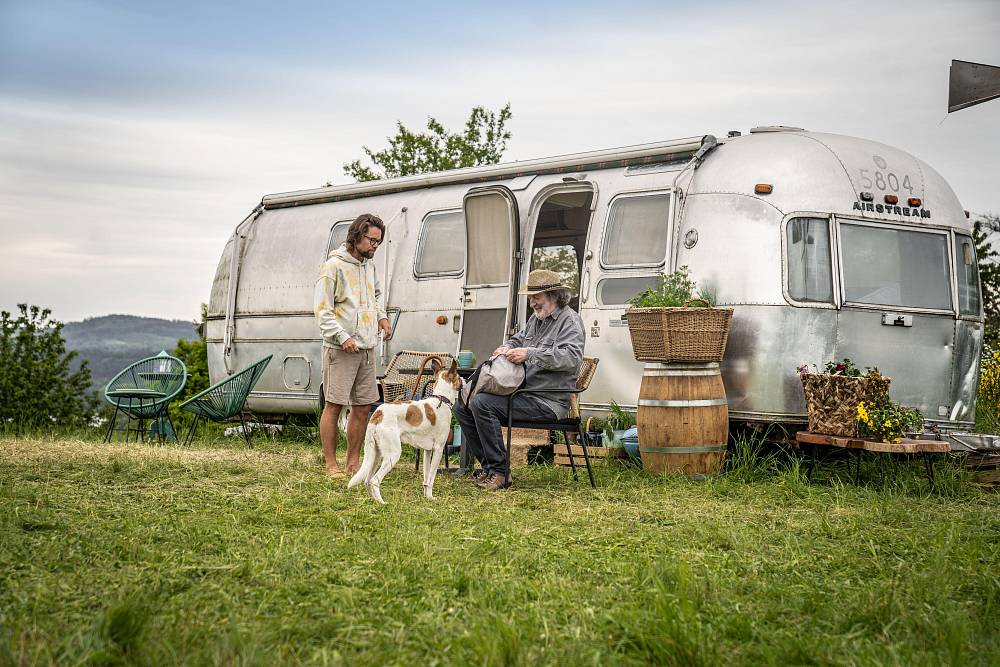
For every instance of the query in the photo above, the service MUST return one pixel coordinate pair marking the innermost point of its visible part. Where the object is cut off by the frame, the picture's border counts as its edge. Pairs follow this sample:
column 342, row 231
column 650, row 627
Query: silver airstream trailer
column 827, row 246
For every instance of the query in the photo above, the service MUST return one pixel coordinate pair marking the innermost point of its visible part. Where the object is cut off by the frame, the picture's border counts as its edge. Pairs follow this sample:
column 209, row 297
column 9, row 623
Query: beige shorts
column 349, row 377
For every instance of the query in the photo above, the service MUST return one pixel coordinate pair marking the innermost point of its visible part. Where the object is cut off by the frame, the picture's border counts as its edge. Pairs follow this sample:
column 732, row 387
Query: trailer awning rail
column 601, row 159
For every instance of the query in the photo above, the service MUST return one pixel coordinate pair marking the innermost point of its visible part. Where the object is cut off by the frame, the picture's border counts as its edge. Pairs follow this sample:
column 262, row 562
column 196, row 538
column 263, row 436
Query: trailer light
column 914, row 201
column 763, row 188
column 891, row 199
column 441, row 319
column 866, row 196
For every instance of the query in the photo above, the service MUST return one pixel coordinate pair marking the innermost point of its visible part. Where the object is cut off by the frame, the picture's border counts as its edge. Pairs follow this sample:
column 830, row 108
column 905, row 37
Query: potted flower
column 887, row 421
column 833, row 395
column 673, row 322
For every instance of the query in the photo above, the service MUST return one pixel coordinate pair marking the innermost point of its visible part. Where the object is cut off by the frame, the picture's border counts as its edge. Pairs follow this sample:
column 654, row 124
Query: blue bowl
column 630, row 442
column 631, row 447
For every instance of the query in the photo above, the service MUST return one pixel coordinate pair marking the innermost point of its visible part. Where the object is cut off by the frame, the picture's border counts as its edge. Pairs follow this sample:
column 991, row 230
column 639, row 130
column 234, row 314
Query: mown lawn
column 215, row 554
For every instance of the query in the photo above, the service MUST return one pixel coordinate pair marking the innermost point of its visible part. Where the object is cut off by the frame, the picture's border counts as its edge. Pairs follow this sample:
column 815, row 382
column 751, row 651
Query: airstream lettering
column 781, row 223
column 897, row 210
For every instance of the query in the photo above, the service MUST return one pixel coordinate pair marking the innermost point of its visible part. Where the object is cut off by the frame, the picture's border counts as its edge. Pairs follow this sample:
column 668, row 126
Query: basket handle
column 586, row 426
column 690, row 301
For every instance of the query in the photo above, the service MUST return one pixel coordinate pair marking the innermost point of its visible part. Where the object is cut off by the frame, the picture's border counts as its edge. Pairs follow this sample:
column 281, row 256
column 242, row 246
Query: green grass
column 115, row 554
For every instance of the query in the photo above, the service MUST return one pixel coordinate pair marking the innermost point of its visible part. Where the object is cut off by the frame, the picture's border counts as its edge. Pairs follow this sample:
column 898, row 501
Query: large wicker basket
column 832, row 401
column 671, row 335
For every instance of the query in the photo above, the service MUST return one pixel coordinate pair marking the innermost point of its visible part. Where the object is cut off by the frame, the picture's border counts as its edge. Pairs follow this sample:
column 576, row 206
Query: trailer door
column 898, row 310
column 492, row 263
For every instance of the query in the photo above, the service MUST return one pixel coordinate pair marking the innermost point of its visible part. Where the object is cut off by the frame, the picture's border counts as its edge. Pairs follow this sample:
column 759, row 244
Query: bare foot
column 352, row 468
column 334, row 473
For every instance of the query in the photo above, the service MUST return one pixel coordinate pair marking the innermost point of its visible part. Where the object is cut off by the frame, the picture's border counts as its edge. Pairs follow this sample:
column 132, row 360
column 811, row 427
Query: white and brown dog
column 423, row 424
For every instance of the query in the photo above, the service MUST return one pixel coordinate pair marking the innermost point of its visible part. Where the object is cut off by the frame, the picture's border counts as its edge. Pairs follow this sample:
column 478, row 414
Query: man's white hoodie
column 348, row 300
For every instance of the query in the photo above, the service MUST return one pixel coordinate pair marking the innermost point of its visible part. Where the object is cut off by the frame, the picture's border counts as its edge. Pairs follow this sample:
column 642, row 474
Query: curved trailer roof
column 601, row 159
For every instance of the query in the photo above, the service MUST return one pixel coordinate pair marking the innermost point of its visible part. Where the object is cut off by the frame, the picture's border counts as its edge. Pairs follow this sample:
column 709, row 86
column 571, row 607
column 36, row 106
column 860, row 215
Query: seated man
column 551, row 348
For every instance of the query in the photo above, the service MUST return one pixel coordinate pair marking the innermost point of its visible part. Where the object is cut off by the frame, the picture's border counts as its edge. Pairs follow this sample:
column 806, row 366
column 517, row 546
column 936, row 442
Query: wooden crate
column 562, row 455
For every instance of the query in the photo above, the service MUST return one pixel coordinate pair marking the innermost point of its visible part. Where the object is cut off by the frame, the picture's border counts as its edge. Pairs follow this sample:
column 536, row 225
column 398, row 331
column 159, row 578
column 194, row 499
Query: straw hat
column 542, row 280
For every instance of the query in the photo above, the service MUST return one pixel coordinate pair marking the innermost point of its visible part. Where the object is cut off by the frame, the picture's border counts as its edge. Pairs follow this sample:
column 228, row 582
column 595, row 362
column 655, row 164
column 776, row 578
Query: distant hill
column 112, row 342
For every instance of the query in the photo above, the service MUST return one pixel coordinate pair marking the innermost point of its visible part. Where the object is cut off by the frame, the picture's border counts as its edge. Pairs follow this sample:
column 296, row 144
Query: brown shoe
column 494, row 482
column 478, row 476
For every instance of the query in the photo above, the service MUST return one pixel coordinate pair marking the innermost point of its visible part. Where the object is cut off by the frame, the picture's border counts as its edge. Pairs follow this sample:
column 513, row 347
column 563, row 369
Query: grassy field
column 217, row 555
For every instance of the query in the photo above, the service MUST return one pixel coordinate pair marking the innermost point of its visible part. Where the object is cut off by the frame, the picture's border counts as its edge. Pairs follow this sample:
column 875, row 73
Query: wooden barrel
column 683, row 419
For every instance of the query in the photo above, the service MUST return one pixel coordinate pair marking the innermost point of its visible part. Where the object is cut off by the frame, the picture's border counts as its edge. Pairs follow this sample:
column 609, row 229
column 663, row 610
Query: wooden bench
column 906, row 446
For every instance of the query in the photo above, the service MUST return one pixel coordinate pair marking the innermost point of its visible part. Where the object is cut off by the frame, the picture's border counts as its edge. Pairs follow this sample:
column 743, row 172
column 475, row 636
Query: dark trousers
column 485, row 418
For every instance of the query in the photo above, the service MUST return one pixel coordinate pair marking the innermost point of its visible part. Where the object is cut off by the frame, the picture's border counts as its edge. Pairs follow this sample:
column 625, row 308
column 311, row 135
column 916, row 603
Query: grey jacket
column 555, row 350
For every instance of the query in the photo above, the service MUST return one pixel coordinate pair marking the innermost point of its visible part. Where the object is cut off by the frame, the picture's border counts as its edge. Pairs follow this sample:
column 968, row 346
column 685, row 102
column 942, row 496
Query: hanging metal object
column 972, row 83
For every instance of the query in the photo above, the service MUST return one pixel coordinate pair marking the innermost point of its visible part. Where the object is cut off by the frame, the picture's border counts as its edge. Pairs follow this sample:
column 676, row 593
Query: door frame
column 514, row 265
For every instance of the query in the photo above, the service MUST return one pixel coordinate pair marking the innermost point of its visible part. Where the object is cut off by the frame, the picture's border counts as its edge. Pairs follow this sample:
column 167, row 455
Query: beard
column 543, row 311
column 368, row 254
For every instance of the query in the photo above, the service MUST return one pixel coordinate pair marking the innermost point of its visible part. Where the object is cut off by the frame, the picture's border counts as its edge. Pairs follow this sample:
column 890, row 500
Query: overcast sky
column 134, row 136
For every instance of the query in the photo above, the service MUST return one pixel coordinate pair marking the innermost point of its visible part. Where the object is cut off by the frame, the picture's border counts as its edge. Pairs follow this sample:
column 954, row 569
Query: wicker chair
column 571, row 424
column 405, row 369
column 225, row 399
column 142, row 392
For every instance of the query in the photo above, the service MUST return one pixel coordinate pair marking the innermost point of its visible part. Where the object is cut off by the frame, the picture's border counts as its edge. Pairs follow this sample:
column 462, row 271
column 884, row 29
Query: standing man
column 349, row 311
column 551, row 348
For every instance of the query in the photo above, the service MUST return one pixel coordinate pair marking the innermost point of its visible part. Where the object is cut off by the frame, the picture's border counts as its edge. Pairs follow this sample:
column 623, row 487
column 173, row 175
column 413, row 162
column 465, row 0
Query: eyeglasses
column 374, row 242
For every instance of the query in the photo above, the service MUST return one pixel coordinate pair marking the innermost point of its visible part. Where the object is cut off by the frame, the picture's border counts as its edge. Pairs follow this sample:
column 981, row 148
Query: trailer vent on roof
column 775, row 128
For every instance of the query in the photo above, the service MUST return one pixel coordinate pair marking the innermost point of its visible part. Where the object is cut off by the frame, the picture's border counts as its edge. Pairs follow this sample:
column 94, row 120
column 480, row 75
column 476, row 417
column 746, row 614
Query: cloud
column 135, row 137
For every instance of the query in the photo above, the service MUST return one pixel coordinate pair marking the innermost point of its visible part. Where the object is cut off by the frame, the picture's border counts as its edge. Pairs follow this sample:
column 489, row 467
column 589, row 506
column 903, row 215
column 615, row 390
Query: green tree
column 37, row 385
column 560, row 259
column 483, row 141
column 989, row 274
column 194, row 354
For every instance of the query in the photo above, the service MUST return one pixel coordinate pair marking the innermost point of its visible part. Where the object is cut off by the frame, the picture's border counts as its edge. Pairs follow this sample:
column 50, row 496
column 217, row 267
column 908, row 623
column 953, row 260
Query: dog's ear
column 454, row 367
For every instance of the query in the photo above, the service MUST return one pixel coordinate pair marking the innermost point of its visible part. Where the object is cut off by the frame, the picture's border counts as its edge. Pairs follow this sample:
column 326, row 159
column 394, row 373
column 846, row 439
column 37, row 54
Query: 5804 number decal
column 884, row 181
column 882, row 178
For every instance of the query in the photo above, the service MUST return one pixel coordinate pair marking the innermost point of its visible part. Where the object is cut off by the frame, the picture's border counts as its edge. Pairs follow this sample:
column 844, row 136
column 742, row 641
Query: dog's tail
column 365, row 471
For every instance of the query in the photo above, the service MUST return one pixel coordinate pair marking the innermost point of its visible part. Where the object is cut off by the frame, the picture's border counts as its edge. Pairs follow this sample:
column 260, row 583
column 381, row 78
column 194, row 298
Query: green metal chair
column 225, row 399
column 142, row 392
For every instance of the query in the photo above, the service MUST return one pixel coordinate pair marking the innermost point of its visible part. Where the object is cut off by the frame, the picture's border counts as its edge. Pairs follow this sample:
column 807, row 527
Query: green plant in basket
column 673, row 290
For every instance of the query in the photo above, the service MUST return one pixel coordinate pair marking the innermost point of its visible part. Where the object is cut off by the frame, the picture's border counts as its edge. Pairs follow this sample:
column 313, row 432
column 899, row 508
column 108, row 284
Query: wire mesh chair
column 225, row 399
column 142, row 392
column 570, row 424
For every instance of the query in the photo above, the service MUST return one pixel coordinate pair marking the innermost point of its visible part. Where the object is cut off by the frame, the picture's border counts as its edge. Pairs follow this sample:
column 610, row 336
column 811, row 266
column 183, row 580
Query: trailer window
column 338, row 234
column 616, row 291
column 810, row 277
column 894, row 267
column 636, row 233
column 441, row 245
column 968, row 275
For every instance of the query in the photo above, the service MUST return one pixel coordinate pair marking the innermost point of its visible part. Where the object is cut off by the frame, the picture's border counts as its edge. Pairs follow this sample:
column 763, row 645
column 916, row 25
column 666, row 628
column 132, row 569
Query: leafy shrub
column 194, row 354
column 988, row 401
column 37, row 387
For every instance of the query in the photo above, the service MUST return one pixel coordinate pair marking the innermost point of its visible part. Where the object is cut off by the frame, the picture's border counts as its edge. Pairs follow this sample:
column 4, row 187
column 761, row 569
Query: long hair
column 562, row 297
column 360, row 227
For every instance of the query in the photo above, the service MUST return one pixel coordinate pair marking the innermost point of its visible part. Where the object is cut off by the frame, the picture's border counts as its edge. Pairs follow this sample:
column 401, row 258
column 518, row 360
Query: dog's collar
column 442, row 399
